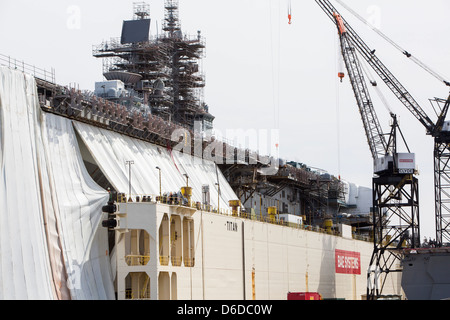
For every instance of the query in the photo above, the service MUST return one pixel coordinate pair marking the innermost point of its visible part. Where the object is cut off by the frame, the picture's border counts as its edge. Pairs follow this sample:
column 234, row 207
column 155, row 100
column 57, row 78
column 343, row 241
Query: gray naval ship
column 425, row 274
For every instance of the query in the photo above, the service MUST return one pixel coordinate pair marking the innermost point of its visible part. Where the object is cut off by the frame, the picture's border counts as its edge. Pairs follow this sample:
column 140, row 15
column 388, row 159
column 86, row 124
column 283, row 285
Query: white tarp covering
column 51, row 242
column 52, row 245
column 24, row 266
column 77, row 202
column 112, row 150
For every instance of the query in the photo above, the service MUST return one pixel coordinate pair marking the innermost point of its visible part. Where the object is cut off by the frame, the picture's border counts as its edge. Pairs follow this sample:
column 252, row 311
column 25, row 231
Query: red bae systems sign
column 347, row 262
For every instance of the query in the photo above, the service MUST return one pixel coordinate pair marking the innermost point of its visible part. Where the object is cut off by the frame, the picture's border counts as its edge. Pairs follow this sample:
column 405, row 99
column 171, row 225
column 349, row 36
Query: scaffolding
column 141, row 10
column 164, row 72
column 39, row 73
column 171, row 81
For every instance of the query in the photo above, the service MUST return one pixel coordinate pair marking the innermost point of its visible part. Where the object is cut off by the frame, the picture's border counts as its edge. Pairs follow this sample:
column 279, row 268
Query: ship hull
column 236, row 258
column 184, row 253
column 426, row 274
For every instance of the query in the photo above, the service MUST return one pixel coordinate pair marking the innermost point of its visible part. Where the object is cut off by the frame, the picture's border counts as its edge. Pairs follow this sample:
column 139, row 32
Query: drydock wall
column 234, row 258
column 278, row 260
column 53, row 247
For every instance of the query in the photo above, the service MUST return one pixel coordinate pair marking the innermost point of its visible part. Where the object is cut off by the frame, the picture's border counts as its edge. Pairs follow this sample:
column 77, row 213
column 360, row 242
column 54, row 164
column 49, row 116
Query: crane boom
column 375, row 137
column 395, row 189
column 383, row 72
column 439, row 130
column 395, row 45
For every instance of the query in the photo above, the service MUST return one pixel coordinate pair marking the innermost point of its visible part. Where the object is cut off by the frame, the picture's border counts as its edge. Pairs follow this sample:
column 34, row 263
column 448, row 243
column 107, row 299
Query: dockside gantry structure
column 162, row 69
column 395, row 188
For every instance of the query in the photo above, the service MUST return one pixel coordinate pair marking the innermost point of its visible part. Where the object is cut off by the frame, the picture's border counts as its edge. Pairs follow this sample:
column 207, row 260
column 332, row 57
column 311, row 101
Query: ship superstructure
column 160, row 70
column 194, row 223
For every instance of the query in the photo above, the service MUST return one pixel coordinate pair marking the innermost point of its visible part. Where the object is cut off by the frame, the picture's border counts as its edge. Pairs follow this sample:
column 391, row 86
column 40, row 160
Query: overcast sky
column 263, row 73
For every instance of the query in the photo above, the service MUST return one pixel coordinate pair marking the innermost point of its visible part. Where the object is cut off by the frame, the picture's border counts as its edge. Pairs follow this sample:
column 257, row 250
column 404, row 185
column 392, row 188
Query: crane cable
column 374, row 84
column 398, row 47
column 276, row 70
column 339, row 65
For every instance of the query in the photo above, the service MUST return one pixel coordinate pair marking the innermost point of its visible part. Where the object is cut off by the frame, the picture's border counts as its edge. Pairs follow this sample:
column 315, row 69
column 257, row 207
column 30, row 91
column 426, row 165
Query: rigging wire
column 398, row 47
column 374, row 84
column 279, row 66
column 275, row 65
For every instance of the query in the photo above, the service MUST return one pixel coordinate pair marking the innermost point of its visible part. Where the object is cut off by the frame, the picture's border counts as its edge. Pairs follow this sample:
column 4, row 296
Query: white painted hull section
column 276, row 259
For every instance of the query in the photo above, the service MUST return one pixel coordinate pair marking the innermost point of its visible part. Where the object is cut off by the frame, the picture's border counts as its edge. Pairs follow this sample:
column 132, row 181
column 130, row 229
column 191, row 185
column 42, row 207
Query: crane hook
column 290, row 13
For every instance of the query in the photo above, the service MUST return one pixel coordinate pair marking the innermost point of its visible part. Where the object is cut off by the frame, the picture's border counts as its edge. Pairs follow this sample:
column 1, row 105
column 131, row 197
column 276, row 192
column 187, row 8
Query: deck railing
column 175, row 200
column 25, row 67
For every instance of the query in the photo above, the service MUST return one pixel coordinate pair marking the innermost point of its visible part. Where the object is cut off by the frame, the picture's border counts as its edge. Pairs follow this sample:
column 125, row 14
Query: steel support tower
column 438, row 129
column 165, row 67
column 395, row 189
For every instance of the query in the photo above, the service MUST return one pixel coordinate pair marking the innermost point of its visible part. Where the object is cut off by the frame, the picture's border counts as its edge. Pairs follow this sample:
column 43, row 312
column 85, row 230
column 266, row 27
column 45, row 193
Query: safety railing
column 27, row 68
column 176, row 261
column 164, row 260
column 189, row 262
column 142, row 294
column 170, row 199
column 176, row 200
column 136, row 260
